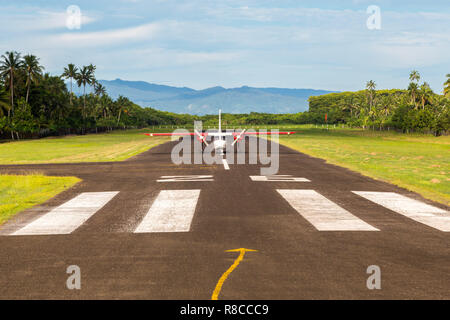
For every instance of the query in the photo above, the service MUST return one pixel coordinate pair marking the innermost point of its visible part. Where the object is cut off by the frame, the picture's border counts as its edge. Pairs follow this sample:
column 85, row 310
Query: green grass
column 420, row 163
column 18, row 193
column 115, row 146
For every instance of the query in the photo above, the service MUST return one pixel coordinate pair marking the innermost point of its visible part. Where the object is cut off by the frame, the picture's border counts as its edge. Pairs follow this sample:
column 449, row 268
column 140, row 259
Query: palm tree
column 4, row 103
column 425, row 93
column 354, row 108
column 413, row 88
column 92, row 68
column 70, row 72
column 371, row 86
column 385, row 109
column 414, row 76
column 33, row 69
column 8, row 66
column 122, row 103
column 105, row 104
column 99, row 89
column 447, row 86
column 85, row 77
column 100, row 93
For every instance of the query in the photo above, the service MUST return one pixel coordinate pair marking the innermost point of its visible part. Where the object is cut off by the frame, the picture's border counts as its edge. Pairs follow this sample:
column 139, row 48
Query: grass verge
column 420, row 163
column 18, row 193
column 115, row 146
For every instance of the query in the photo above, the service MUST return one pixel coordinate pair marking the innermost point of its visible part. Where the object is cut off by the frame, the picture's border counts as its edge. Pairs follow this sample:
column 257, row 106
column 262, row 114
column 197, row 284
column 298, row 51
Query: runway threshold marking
column 279, row 178
column 189, row 178
column 172, row 211
column 69, row 216
column 416, row 210
column 322, row 213
column 218, row 288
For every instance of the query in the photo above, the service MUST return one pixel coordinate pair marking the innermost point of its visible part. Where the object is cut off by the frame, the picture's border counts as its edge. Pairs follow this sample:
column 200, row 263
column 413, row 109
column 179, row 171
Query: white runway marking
column 322, row 213
column 172, row 211
column 68, row 217
column 421, row 212
column 225, row 164
column 279, row 178
column 192, row 178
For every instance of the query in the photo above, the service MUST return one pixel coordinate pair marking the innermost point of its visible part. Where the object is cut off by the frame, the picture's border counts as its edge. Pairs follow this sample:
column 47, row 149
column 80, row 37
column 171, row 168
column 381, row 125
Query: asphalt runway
column 148, row 229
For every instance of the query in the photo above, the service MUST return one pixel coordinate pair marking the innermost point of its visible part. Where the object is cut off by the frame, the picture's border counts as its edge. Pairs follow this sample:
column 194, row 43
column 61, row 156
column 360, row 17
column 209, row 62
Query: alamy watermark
column 212, row 147
column 73, row 19
column 374, row 20
column 374, row 280
column 73, row 282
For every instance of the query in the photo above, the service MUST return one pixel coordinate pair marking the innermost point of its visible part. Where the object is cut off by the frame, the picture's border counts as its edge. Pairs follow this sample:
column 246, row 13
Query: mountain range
column 234, row 100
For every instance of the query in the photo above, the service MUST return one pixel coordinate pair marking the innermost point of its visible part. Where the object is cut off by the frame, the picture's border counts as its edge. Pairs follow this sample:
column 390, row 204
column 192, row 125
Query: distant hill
column 208, row 101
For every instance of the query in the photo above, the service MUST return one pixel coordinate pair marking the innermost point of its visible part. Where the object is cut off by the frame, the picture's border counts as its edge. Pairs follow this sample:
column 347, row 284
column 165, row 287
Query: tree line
column 35, row 104
column 416, row 108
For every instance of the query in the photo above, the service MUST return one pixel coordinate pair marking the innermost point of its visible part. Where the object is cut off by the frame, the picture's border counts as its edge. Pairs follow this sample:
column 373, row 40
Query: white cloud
column 107, row 37
column 411, row 56
column 225, row 42
column 32, row 19
column 57, row 20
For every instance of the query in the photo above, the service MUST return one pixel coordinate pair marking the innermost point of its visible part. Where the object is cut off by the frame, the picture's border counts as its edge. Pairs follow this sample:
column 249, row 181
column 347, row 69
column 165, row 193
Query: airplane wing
column 172, row 134
column 214, row 134
column 200, row 136
column 238, row 136
column 269, row 133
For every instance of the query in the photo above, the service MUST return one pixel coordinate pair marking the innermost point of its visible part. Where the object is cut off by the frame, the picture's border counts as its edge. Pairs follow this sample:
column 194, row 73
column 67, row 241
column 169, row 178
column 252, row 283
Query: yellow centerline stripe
column 215, row 295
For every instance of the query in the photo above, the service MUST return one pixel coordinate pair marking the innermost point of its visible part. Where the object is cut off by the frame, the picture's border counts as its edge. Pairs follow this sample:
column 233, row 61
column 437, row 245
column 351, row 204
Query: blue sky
column 199, row 44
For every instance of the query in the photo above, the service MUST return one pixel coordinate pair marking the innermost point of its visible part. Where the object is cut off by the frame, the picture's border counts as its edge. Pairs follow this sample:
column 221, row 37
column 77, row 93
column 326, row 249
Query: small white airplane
column 219, row 142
